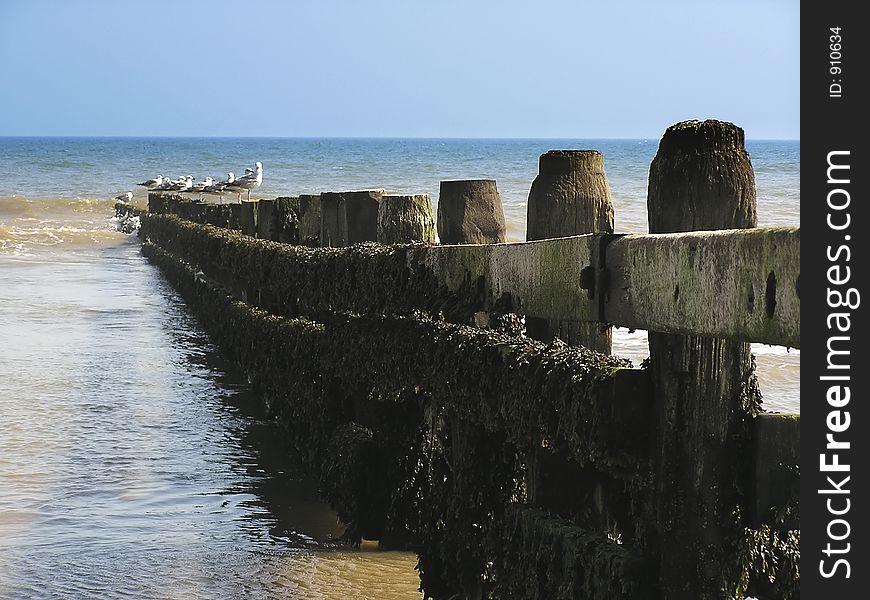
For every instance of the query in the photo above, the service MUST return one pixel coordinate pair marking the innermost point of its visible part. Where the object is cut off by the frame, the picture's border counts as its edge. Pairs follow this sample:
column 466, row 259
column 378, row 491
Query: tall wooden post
column 173, row 202
column 348, row 218
column 157, row 204
column 704, row 389
column 267, row 219
column 404, row 219
column 570, row 196
column 286, row 220
column 470, row 212
column 236, row 216
column 333, row 220
column 248, row 217
column 309, row 219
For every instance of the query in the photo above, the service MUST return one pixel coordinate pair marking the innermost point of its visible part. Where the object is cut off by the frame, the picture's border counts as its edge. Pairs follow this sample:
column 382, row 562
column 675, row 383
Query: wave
column 34, row 206
column 32, row 225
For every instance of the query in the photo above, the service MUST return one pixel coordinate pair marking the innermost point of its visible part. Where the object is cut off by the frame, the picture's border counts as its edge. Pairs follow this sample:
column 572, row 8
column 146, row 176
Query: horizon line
column 339, row 137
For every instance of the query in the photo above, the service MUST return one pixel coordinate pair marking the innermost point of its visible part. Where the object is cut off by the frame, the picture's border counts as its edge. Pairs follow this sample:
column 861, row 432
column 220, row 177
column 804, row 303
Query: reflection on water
column 133, row 462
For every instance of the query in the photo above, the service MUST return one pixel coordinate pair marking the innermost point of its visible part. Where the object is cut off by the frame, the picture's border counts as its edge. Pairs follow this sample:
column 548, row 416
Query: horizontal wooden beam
column 741, row 284
column 540, row 279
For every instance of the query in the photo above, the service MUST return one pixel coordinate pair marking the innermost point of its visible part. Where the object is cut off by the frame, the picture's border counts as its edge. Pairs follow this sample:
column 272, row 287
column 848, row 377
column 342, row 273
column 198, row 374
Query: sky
column 397, row 68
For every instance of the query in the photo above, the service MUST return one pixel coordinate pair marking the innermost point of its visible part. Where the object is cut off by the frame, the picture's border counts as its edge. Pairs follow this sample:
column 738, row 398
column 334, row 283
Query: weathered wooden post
column 248, row 217
column 157, row 204
column 309, row 219
column 403, row 219
column 196, row 211
column 348, row 218
column 172, row 204
column 267, row 218
column 776, row 448
column 287, row 219
column 333, row 220
column 704, row 389
column 218, row 215
column 235, row 216
column 570, row 196
column 184, row 208
column 362, row 215
column 470, row 212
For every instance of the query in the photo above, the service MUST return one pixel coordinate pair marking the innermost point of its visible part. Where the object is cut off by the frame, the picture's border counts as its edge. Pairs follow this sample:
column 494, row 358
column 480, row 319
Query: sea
column 134, row 461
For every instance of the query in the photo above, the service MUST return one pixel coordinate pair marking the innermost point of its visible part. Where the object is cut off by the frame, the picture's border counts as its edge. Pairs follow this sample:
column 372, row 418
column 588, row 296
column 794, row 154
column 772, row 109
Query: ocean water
column 131, row 460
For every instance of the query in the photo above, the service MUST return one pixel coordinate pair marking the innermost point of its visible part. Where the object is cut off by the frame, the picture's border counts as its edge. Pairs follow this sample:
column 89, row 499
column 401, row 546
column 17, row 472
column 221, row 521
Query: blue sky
column 573, row 69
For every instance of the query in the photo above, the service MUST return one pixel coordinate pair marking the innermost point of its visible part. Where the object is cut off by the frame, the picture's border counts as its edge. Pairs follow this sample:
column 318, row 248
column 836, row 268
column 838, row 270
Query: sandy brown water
column 133, row 460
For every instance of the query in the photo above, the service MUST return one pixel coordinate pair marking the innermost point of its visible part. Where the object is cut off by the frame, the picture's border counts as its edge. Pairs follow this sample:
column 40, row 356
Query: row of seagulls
column 251, row 180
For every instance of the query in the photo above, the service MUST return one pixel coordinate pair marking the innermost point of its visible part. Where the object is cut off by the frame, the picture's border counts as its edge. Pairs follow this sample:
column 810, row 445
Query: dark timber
column 309, row 219
column 348, row 218
column 248, row 217
column 704, row 389
column 267, row 225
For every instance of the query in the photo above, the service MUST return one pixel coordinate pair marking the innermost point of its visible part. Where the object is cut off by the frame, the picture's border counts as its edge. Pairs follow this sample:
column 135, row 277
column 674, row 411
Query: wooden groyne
column 520, row 467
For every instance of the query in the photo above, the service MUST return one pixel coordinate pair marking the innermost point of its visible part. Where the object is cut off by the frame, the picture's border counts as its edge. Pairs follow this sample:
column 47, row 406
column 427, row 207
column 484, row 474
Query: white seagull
column 251, row 180
column 200, row 187
column 218, row 188
column 181, row 184
column 125, row 197
column 152, row 183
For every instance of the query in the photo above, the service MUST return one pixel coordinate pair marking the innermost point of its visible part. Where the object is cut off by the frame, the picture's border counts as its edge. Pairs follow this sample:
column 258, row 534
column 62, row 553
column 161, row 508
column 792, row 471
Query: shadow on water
column 285, row 498
column 280, row 496
column 293, row 534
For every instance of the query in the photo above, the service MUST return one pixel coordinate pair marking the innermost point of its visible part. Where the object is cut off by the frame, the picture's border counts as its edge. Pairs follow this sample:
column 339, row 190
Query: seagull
column 218, row 188
column 200, row 187
column 181, row 184
column 125, row 197
column 152, row 183
column 163, row 187
column 251, row 180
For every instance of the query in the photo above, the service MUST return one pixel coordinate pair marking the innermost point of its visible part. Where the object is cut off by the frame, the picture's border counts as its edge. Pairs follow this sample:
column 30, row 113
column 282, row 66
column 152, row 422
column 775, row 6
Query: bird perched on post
column 218, row 188
column 125, row 197
column 181, row 184
column 199, row 188
column 152, row 183
column 251, row 180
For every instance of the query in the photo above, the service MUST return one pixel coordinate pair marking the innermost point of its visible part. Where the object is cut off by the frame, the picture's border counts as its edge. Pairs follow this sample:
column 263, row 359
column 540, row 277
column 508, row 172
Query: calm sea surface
column 132, row 460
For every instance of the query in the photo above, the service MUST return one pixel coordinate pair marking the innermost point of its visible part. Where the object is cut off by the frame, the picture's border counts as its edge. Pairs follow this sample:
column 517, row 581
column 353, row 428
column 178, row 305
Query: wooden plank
column 540, row 279
column 740, row 284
